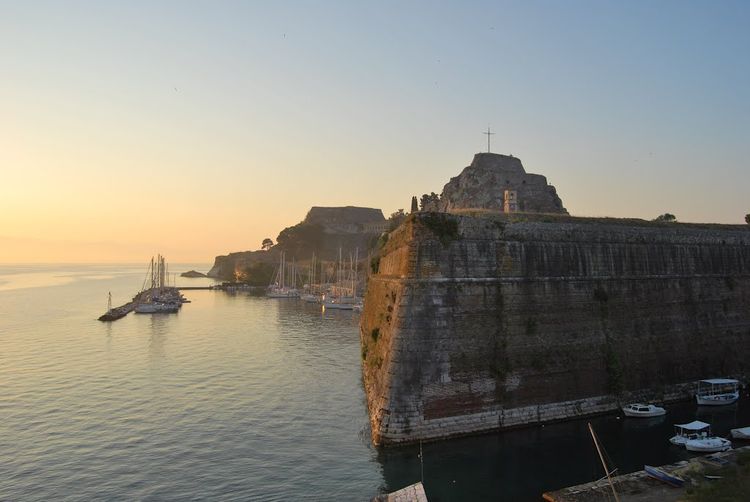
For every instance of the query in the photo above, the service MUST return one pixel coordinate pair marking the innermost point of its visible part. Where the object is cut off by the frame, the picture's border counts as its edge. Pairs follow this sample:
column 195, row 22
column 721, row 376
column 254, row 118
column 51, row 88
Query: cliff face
column 324, row 231
column 483, row 183
column 474, row 324
column 344, row 215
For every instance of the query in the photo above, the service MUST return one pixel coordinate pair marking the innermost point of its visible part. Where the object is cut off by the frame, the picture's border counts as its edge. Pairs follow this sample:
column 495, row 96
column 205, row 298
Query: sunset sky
column 199, row 128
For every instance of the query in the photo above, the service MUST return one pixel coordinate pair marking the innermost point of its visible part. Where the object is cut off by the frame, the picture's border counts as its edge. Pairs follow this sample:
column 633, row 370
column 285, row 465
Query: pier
column 115, row 313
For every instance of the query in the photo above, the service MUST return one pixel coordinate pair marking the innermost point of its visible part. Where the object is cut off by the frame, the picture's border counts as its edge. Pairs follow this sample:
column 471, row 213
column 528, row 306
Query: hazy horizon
column 195, row 130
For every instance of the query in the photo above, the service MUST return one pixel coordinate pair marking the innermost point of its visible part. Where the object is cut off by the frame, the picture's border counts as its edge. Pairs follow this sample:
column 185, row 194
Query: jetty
column 159, row 297
column 411, row 493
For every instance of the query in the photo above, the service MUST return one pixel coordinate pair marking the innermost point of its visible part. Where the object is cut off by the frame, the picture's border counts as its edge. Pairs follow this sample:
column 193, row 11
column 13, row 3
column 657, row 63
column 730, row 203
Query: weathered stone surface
column 474, row 324
column 482, row 184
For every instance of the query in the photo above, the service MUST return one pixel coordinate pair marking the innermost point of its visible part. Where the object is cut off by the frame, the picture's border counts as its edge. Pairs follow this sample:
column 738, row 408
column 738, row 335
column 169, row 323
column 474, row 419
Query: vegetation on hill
column 257, row 274
column 302, row 239
column 666, row 217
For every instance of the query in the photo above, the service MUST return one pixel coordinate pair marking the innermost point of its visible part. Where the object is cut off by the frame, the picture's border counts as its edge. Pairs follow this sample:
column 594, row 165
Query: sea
column 242, row 397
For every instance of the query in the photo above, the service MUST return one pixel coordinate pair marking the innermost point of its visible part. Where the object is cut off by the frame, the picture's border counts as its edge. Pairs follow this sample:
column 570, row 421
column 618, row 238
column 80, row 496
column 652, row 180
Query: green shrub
column 375, row 264
column 443, row 226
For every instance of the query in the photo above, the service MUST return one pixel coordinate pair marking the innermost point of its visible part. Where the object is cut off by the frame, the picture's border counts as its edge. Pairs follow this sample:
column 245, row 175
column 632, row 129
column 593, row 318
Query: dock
column 411, row 493
column 116, row 313
column 144, row 296
column 640, row 487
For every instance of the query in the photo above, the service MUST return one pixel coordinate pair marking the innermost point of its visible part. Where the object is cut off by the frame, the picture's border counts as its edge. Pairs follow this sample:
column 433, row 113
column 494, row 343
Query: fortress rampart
column 474, row 324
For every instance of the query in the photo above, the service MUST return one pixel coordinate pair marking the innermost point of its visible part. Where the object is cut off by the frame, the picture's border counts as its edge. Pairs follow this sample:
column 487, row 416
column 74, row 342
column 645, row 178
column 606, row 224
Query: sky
column 194, row 129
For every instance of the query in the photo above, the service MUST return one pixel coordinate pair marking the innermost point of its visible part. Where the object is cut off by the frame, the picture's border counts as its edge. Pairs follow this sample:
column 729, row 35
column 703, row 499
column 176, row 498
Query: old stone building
column 485, row 182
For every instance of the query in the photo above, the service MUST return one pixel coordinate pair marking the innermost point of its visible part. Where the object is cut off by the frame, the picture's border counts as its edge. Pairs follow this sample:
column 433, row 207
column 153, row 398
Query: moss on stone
column 442, row 225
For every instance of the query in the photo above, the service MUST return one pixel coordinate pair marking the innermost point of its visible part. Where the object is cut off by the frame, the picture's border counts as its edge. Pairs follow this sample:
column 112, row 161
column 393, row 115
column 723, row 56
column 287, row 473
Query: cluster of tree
column 429, row 202
column 396, row 219
column 302, row 238
column 258, row 274
column 266, row 244
column 665, row 217
column 747, row 219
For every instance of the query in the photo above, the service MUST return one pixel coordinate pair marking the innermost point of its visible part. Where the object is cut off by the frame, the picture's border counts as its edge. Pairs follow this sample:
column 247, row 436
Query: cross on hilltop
column 488, row 133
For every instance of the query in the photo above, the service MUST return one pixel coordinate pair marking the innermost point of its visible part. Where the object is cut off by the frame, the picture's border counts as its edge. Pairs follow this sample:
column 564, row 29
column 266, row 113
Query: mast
column 604, row 464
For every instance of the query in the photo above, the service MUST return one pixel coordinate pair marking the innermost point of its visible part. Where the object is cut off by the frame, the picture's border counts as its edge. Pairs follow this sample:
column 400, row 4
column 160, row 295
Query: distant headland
column 323, row 231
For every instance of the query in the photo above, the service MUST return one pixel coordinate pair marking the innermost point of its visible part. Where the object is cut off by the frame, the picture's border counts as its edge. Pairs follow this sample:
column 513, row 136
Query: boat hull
column 654, row 411
column 717, row 399
column 664, row 476
column 741, row 433
column 339, row 306
column 708, row 445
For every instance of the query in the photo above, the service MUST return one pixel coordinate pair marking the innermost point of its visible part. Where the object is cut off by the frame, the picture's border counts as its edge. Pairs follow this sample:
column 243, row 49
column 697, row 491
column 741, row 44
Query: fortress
column 499, row 182
column 478, row 318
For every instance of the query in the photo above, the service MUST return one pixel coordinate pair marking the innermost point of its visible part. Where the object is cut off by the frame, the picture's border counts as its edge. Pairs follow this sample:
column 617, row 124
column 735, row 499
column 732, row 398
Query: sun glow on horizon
column 197, row 131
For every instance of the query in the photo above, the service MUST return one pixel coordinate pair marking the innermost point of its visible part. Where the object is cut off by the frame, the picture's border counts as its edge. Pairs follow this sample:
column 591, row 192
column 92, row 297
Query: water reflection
column 158, row 329
column 522, row 464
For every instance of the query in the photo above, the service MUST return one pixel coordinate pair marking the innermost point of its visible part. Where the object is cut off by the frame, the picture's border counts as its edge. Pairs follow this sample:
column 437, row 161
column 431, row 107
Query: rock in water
column 192, row 273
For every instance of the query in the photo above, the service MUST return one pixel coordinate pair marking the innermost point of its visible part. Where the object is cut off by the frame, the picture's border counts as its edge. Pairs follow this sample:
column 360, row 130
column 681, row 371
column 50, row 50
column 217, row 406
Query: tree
column 666, row 217
column 301, row 239
column 396, row 219
column 258, row 274
column 429, row 202
column 747, row 219
column 414, row 204
column 267, row 244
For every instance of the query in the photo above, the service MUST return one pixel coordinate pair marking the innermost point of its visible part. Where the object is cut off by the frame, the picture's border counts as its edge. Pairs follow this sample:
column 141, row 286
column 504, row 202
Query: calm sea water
column 240, row 397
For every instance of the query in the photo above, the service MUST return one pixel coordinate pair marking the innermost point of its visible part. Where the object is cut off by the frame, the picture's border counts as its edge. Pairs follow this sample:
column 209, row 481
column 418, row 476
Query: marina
column 158, row 298
column 159, row 388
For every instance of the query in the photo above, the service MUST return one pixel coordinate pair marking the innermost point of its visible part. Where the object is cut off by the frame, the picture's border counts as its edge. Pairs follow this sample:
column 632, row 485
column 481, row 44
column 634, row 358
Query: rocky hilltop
column 330, row 217
column 479, row 323
column 323, row 231
column 483, row 184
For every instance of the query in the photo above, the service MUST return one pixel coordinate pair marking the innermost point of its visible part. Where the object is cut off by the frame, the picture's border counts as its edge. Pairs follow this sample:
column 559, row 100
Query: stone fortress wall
column 475, row 323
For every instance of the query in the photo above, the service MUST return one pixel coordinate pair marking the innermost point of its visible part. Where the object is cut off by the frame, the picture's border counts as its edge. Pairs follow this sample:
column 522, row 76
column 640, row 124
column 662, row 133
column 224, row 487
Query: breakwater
column 478, row 323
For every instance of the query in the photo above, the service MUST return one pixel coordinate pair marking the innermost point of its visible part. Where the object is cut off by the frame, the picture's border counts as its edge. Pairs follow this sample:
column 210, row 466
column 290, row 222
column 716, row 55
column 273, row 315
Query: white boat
column 279, row 288
column 282, row 293
column 310, row 298
column 710, row 444
column 643, row 410
column 717, row 391
column 156, row 308
column 741, row 433
column 687, row 432
column 340, row 303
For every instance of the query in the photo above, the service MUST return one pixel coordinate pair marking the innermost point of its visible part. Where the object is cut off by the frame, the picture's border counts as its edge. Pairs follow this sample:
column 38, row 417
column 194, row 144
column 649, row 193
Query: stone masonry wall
column 474, row 324
column 483, row 183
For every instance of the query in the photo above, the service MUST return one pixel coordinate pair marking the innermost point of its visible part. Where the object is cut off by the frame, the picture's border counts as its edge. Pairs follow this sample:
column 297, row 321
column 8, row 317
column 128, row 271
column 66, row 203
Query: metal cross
column 488, row 133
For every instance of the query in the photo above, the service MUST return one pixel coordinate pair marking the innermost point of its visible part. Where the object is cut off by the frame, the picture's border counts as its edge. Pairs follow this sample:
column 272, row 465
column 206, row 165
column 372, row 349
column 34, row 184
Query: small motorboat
column 709, row 444
column 643, row 410
column 686, row 432
column 741, row 433
column 664, row 476
column 717, row 391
